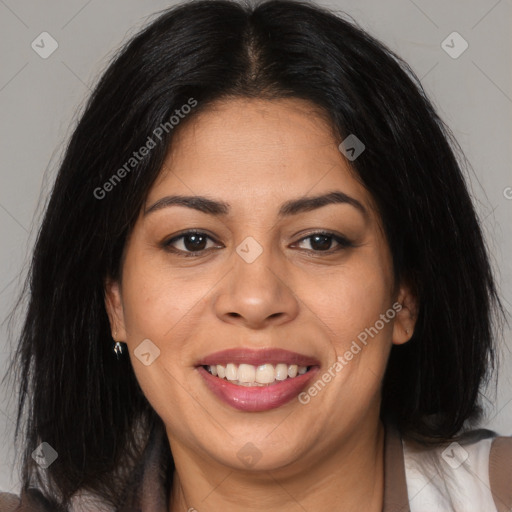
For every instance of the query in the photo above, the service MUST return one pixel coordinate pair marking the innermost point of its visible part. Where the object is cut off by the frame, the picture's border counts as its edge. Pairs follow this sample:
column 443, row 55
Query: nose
column 257, row 295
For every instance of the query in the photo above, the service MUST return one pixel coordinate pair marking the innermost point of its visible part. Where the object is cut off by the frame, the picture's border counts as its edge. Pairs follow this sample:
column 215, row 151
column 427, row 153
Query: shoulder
column 500, row 472
column 30, row 500
column 471, row 473
column 9, row 502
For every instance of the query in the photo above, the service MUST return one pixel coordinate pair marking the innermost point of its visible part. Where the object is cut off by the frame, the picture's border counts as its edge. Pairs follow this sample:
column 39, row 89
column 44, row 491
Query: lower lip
column 257, row 398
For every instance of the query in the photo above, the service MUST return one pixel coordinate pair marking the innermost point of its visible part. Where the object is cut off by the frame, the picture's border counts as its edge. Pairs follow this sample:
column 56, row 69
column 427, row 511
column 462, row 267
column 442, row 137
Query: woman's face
column 257, row 282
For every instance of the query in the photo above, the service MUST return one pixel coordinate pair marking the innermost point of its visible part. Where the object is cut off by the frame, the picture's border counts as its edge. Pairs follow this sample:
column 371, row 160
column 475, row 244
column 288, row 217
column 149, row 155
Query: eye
column 322, row 242
column 191, row 242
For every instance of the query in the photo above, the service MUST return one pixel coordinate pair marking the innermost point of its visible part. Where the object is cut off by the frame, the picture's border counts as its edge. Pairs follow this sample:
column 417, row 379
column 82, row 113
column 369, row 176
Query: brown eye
column 322, row 242
column 189, row 242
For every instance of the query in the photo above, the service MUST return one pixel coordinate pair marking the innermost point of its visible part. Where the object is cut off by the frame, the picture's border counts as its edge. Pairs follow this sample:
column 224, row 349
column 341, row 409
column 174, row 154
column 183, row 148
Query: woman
column 260, row 283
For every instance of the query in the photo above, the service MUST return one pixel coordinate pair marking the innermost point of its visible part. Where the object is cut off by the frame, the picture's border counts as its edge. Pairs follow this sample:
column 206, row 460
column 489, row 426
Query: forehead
column 258, row 150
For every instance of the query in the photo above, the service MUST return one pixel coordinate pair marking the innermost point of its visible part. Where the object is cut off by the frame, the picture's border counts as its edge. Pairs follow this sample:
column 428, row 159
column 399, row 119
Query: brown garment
column 500, row 473
column 152, row 495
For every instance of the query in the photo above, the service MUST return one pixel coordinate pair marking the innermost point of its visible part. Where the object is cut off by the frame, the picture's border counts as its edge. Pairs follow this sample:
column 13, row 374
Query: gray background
column 41, row 98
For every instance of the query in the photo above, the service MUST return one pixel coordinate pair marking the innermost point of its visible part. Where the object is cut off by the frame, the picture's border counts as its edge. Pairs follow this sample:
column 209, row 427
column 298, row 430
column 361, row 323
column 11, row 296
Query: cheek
column 350, row 298
column 349, row 302
column 162, row 306
column 158, row 300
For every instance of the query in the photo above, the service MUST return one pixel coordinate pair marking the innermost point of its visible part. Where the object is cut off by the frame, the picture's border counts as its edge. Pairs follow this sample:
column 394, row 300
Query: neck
column 349, row 478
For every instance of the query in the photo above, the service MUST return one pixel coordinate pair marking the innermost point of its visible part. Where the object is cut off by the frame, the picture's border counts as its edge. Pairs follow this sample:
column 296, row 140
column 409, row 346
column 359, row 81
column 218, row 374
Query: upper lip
column 257, row 357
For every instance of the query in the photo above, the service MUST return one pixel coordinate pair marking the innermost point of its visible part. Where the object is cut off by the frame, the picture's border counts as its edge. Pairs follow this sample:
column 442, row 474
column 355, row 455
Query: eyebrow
column 292, row 207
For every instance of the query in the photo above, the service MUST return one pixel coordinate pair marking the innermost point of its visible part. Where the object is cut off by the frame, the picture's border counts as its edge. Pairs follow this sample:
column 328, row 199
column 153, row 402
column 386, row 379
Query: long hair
column 87, row 405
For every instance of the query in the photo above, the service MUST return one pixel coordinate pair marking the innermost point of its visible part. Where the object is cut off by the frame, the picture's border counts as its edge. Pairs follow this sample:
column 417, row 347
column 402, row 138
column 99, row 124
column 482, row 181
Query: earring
column 118, row 347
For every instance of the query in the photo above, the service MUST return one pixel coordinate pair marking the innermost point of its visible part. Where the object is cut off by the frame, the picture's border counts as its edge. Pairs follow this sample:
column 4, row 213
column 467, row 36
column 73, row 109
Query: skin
column 256, row 155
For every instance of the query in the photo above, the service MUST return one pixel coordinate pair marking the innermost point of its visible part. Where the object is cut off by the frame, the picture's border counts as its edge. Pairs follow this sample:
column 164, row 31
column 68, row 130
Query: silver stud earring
column 118, row 347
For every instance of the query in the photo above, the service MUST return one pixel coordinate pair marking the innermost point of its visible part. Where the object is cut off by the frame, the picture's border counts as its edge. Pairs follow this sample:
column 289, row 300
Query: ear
column 114, row 307
column 405, row 319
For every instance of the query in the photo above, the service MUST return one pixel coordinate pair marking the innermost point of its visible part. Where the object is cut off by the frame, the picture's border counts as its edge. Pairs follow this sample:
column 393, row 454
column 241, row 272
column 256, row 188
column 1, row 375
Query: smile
column 257, row 380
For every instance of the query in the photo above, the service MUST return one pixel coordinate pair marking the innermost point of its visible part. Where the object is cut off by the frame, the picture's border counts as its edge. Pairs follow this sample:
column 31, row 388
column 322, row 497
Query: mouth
column 257, row 380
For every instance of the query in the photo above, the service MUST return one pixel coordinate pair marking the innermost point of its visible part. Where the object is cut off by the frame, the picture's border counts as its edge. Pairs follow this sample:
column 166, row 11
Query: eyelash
column 343, row 242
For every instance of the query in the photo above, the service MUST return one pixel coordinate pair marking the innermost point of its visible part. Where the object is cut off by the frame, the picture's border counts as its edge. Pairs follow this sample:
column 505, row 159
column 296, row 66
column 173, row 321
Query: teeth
column 281, row 372
column 231, row 372
column 265, row 374
column 246, row 373
column 250, row 375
